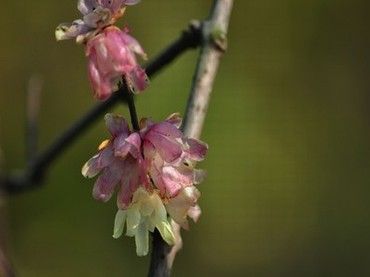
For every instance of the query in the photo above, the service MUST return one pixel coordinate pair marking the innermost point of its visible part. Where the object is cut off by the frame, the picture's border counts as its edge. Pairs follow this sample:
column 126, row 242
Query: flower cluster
column 153, row 169
column 111, row 52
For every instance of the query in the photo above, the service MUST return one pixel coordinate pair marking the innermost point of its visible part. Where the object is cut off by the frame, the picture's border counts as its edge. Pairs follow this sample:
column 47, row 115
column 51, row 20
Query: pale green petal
column 142, row 240
column 166, row 232
column 133, row 220
column 146, row 208
column 119, row 223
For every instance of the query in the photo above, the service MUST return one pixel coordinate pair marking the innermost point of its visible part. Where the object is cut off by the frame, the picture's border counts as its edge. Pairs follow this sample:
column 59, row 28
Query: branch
column 35, row 172
column 214, row 44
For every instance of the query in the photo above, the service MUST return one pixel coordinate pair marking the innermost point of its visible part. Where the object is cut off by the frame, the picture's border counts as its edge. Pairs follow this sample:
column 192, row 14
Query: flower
column 145, row 213
column 155, row 169
column 110, row 51
column 111, row 55
column 184, row 205
column 120, row 162
column 171, row 156
column 97, row 14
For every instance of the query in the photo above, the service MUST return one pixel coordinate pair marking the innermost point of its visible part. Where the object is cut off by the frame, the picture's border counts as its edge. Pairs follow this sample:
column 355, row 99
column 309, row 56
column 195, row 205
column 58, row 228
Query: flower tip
column 60, row 32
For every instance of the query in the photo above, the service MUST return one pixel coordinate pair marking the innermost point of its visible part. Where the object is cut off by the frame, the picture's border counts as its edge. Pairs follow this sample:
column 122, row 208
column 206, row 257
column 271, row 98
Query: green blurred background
column 287, row 190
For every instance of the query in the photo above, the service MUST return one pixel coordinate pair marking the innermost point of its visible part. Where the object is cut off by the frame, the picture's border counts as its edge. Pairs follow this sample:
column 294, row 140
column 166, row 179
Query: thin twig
column 34, row 174
column 132, row 109
column 214, row 31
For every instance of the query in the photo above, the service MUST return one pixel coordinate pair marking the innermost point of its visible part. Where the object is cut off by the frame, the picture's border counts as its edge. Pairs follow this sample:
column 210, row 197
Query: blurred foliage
column 288, row 128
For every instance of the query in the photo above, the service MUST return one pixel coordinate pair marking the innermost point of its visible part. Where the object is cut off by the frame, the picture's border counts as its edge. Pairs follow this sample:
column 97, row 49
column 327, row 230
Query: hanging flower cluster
column 153, row 169
column 110, row 51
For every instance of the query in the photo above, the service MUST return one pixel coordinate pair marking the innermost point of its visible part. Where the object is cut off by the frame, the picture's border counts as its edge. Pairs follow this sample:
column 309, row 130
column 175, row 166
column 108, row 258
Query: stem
column 132, row 108
column 158, row 260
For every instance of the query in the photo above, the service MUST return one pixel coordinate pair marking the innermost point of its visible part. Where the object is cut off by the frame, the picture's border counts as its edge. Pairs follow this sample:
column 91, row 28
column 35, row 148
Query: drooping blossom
column 145, row 213
column 111, row 52
column 120, row 163
column 171, row 156
column 155, row 169
column 111, row 55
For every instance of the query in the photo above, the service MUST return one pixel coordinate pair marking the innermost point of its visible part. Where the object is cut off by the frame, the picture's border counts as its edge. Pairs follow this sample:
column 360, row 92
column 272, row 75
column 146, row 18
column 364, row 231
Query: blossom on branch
column 111, row 55
column 120, row 163
column 111, row 52
column 154, row 169
column 171, row 156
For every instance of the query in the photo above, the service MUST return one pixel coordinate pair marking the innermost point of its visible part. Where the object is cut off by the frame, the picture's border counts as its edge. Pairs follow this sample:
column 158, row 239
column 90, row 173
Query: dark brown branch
column 35, row 172
column 158, row 260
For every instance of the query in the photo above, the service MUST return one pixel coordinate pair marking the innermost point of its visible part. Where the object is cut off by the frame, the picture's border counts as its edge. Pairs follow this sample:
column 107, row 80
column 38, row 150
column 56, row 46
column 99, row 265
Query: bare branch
column 214, row 43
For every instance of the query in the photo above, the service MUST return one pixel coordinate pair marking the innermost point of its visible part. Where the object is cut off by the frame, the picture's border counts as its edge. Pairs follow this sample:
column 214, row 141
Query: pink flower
column 111, row 55
column 171, row 156
column 157, row 165
column 120, row 162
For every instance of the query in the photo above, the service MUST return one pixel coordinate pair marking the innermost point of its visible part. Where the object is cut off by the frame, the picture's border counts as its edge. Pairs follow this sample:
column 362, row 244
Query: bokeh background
column 287, row 190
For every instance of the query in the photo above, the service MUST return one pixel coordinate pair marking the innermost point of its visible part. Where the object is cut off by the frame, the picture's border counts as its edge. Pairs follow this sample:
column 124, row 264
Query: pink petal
column 105, row 184
column 116, row 125
column 137, row 80
column 182, row 175
column 124, row 145
column 197, row 149
column 168, row 149
column 134, row 176
column 166, row 129
column 101, row 86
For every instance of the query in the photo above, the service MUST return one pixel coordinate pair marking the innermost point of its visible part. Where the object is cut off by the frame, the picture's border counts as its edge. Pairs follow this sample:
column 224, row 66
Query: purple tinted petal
column 71, row 30
column 168, row 149
column 137, row 80
column 133, row 45
column 166, row 129
column 134, row 176
column 196, row 150
column 86, row 6
column 182, row 175
column 116, row 125
column 124, row 145
column 106, row 157
column 105, row 184
column 102, row 87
